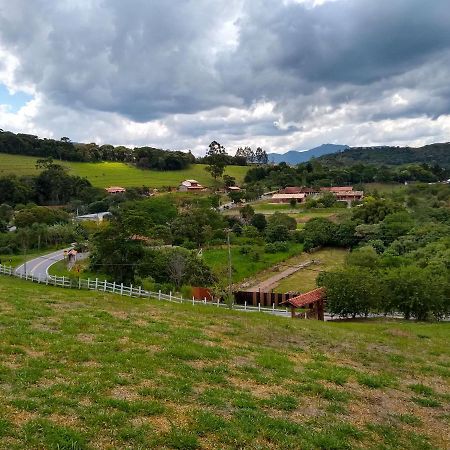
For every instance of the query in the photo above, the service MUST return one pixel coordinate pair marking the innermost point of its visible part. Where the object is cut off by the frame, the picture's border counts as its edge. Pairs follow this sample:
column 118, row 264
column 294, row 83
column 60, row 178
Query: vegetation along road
column 39, row 266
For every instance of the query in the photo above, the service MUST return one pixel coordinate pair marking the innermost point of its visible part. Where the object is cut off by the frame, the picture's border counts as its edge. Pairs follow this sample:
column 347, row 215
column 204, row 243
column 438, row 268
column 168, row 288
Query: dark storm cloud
column 339, row 52
column 148, row 60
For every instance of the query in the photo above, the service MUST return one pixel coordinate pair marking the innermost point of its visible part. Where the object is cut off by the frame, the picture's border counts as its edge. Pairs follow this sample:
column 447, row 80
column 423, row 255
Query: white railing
column 131, row 291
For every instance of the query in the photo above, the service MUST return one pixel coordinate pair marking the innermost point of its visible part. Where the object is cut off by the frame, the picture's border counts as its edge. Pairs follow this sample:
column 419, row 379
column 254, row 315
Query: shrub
column 276, row 247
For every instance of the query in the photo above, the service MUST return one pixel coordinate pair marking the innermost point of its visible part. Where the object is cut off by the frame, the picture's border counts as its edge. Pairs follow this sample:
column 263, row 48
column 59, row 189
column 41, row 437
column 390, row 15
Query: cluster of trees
column 157, row 159
column 157, row 241
column 316, row 173
column 143, row 157
column 401, row 255
column 38, row 236
column 252, row 157
column 53, row 186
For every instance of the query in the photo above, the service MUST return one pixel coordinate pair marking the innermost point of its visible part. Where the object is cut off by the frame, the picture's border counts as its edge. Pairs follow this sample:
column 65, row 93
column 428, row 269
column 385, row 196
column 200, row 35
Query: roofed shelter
column 312, row 301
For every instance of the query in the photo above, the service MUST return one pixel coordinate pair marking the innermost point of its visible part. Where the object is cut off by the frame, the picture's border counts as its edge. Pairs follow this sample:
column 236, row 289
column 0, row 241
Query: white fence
column 130, row 291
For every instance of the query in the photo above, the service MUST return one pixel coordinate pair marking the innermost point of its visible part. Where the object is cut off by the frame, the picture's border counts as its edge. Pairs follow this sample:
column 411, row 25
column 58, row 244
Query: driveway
column 39, row 266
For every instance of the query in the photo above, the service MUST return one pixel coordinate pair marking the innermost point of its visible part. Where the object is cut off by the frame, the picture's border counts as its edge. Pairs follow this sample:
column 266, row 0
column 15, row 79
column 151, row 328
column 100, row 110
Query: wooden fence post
column 104, row 286
column 121, row 288
column 114, row 287
column 131, row 289
column 159, row 294
column 96, row 284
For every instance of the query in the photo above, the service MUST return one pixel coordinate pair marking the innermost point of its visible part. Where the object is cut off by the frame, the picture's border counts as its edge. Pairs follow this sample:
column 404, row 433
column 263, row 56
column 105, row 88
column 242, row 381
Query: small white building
column 190, row 186
column 97, row 217
column 287, row 198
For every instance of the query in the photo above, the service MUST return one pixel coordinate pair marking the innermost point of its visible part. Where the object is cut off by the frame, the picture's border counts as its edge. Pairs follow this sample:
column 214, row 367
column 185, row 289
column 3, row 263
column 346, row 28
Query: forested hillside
column 430, row 154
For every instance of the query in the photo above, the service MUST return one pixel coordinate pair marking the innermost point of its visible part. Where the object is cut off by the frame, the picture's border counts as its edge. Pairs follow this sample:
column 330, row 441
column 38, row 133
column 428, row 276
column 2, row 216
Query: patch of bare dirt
column 124, row 393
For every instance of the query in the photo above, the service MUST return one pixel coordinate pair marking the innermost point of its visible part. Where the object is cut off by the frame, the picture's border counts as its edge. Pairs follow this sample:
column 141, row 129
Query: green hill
column 105, row 174
column 429, row 154
column 84, row 370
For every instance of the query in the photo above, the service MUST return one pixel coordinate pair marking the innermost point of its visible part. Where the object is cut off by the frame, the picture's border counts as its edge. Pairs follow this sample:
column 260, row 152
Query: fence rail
column 132, row 291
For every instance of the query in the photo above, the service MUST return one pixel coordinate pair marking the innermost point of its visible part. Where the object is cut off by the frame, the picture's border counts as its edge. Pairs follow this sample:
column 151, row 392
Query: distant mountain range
column 297, row 157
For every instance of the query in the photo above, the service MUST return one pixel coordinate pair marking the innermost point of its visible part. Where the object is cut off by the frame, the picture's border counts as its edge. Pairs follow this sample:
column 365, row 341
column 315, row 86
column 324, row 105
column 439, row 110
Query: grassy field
column 84, row 370
column 60, row 269
column 305, row 280
column 245, row 265
column 118, row 174
column 383, row 187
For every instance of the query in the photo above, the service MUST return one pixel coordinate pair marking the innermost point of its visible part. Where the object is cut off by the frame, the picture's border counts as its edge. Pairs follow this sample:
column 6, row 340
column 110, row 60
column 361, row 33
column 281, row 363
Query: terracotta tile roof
column 307, row 298
column 337, row 188
column 291, row 190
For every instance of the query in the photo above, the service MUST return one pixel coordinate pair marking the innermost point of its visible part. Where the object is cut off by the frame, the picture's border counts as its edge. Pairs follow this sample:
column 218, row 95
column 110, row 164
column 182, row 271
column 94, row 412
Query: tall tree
column 261, row 156
column 216, row 157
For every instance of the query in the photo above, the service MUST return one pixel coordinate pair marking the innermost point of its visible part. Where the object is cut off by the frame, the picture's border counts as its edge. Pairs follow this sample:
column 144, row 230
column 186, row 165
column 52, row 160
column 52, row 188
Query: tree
column 261, row 156
column 246, row 153
column 351, row 292
column 229, row 181
column 277, row 233
column 247, row 212
column 318, row 232
column 282, row 219
column 177, row 267
column 259, row 221
column 416, row 292
column 216, row 156
column 328, row 199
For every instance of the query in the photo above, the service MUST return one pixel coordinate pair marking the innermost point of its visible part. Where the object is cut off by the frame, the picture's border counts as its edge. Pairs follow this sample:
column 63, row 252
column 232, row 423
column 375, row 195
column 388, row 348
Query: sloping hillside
column 86, row 370
column 430, row 154
column 105, row 174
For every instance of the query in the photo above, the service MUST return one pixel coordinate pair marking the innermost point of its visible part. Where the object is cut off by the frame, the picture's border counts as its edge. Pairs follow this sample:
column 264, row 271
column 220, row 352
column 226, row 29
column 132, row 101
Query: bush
column 277, row 247
column 277, row 233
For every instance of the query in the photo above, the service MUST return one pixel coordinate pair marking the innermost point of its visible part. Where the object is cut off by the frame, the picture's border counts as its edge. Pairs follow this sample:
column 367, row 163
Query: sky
column 280, row 74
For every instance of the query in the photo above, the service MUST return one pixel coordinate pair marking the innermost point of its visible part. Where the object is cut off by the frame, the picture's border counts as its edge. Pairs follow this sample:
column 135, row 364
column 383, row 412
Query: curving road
column 39, row 266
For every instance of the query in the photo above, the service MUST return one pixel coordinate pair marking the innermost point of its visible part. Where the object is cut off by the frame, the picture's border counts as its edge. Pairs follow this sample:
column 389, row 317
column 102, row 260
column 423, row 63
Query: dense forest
column 315, row 173
column 433, row 154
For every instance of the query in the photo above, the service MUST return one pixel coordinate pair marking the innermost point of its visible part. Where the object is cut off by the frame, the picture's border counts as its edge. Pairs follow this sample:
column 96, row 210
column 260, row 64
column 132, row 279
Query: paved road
column 39, row 266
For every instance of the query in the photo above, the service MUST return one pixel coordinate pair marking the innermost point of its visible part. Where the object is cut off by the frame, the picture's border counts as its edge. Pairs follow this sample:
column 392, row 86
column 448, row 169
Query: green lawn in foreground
column 118, row 174
column 245, row 265
column 85, row 370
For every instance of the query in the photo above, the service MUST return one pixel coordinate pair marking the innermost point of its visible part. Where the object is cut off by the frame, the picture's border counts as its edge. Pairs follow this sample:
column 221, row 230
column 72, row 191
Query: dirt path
column 269, row 283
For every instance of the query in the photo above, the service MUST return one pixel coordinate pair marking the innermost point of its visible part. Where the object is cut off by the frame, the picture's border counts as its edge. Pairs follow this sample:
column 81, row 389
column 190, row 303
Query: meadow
column 106, row 174
column 246, row 265
column 85, row 370
column 304, row 280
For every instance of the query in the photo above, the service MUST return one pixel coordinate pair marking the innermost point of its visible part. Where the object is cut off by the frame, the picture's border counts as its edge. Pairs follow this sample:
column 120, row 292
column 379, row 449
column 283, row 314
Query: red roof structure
column 307, row 298
column 337, row 188
column 291, row 190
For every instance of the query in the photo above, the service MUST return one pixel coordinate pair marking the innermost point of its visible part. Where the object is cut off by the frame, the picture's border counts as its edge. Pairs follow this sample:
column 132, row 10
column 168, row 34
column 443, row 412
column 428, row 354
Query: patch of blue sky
column 14, row 101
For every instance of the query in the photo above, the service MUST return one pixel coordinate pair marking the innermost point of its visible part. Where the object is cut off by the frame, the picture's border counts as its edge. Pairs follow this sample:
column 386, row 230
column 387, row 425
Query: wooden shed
column 312, row 303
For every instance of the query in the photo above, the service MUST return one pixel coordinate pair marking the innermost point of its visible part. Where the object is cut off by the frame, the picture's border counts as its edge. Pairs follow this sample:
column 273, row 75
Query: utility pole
column 25, row 258
column 229, row 268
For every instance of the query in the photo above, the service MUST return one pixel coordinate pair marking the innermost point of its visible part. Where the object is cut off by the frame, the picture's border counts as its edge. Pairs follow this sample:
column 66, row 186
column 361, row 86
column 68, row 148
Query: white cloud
column 178, row 74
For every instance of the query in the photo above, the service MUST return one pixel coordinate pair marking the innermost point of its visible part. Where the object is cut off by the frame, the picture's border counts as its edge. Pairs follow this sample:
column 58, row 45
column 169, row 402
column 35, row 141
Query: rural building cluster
column 301, row 193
